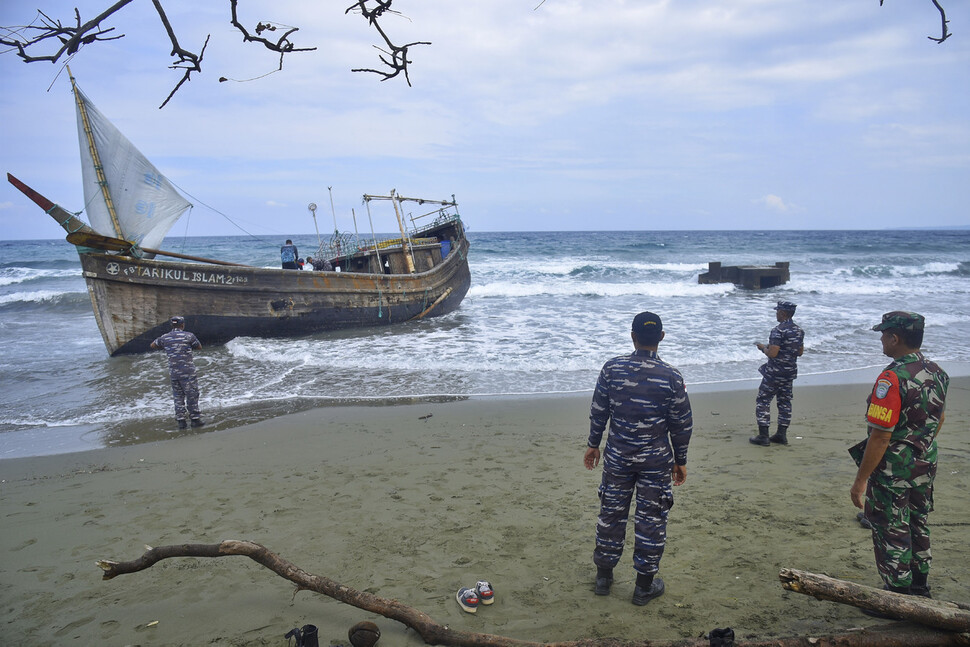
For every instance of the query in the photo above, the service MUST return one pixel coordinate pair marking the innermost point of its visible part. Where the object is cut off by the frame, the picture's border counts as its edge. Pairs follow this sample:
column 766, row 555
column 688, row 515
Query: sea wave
column 891, row 270
column 20, row 274
column 583, row 266
column 591, row 289
column 43, row 298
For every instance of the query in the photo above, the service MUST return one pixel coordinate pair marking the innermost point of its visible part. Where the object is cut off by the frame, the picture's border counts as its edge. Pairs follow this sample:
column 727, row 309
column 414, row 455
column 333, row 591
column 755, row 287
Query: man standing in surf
column 785, row 346
column 645, row 401
column 178, row 345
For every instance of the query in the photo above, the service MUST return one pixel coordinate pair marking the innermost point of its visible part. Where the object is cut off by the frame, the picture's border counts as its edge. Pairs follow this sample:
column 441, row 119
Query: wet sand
column 410, row 502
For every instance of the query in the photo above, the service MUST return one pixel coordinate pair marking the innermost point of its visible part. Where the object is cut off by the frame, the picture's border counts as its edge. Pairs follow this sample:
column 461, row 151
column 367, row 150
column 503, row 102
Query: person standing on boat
column 785, row 346
column 894, row 483
column 645, row 401
column 178, row 345
column 288, row 255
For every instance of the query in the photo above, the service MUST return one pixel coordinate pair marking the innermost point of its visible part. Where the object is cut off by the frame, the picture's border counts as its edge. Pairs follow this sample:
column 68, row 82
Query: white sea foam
column 38, row 296
column 14, row 275
column 591, row 289
column 543, row 313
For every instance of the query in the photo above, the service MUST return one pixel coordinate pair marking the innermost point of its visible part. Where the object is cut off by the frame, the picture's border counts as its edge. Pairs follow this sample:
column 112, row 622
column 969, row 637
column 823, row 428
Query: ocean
column 544, row 311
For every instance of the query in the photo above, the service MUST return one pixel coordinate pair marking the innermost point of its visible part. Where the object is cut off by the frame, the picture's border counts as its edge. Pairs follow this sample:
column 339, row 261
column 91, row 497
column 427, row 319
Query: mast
column 96, row 158
column 396, row 200
column 405, row 241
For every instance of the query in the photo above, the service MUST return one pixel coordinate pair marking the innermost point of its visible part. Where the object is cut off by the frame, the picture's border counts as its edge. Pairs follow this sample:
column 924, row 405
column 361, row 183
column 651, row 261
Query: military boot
column 782, row 436
column 762, row 437
column 604, row 580
column 919, row 585
column 648, row 587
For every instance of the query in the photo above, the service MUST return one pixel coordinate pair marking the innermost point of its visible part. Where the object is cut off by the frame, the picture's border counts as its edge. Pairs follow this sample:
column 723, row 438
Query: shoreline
column 50, row 441
column 411, row 501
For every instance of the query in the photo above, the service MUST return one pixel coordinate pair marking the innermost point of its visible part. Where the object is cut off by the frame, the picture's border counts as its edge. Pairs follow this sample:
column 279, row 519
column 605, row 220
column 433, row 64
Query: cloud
column 6, row 205
column 273, row 204
column 775, row 203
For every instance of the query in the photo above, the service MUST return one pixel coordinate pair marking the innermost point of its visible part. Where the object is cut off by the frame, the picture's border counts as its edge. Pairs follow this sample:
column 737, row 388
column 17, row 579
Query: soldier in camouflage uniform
column 178, row 345
column 646, row 403
column 785, row 346
column 897, row 468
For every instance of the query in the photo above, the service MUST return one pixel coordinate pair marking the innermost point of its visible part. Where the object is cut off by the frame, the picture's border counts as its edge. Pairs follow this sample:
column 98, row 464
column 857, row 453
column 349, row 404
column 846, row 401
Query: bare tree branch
column 188, row 61
column 27, row 39
column 434, row 633
column 71, row 39
column 945, row 33
column 283, row 44
column 397, row 58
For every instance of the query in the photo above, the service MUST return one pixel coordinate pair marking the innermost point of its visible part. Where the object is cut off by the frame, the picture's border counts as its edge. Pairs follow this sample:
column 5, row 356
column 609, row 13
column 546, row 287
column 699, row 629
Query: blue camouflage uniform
column 778, row 373
column 178, row 345
column 646, row 402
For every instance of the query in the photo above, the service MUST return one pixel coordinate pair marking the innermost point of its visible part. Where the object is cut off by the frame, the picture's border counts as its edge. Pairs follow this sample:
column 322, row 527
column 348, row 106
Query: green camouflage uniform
column 899, row 494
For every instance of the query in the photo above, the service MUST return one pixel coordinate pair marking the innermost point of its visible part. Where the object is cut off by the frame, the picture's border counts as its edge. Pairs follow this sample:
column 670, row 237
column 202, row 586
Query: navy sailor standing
column 178, row 345
column 646, row 404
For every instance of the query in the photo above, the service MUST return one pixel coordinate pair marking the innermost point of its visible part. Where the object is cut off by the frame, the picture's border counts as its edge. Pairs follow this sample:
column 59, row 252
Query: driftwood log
column 434, row 633
column 939, row 614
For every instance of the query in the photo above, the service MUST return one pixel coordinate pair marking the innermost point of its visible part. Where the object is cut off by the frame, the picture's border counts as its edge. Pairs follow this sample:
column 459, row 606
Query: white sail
column 146, row 205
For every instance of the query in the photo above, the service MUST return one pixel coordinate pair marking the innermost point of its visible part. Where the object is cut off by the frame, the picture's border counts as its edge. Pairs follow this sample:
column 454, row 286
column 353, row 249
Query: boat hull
column 133, row 298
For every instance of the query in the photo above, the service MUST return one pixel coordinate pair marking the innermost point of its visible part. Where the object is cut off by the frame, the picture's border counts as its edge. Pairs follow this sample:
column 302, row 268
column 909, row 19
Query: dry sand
column 406, row 506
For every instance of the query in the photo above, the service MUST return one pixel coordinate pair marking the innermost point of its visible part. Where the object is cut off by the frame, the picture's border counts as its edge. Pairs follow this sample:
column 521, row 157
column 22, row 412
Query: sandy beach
column 410, row 502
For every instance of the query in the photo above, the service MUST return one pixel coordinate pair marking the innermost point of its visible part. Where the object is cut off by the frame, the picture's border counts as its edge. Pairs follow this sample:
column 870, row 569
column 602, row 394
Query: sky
column 537, row 115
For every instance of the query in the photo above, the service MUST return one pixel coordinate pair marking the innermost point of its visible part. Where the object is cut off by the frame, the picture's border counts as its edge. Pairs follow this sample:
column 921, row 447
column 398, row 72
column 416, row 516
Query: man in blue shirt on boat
column 178, row 345
column 288, row 256
column 785, row 345
column 645, row 402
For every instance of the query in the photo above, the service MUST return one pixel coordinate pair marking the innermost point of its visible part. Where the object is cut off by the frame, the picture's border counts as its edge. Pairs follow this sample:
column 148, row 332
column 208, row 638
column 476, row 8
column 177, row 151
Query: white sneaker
column 467, row 600
column 486, row 594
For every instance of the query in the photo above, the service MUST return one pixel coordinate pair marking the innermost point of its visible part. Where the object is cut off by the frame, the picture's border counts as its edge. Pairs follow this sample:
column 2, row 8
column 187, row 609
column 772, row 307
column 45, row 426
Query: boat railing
column 345, row 245
column 442, row 218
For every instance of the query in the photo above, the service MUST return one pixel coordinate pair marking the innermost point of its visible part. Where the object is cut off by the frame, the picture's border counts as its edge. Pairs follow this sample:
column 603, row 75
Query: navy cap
column 647, row 325
column 787, row 306
column 900, row 319
column 177, row 321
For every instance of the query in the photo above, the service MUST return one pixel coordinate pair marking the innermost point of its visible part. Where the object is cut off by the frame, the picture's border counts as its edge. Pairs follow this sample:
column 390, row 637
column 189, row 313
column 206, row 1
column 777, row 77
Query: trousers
column 900, row 534
column 185, row 392
column 654, row 499
column 774, row 387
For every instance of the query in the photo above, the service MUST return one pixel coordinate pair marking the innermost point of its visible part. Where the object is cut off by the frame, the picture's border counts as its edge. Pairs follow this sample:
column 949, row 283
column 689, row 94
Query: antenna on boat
column 313, row 210
column 332, row 210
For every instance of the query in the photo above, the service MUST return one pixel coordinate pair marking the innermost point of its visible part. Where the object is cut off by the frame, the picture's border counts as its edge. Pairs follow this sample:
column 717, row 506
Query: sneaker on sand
column 486, row 594
column 467, row 600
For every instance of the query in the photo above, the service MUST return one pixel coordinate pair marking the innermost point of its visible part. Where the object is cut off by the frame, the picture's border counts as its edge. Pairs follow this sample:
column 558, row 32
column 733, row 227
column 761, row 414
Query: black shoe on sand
column 604, row 581
column 643, row 595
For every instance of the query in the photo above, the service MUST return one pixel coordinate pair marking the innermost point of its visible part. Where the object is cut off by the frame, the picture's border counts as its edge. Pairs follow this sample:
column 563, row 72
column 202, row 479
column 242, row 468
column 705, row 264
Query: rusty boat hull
column 134, row 298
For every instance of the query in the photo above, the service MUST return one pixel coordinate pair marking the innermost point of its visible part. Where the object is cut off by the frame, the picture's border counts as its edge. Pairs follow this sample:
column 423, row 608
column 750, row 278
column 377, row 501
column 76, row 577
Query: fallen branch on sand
column 434, row 633
column 938, row 614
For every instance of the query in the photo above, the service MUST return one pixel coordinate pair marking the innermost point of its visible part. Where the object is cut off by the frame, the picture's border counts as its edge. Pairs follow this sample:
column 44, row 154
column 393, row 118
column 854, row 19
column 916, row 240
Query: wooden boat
column 131, row 206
